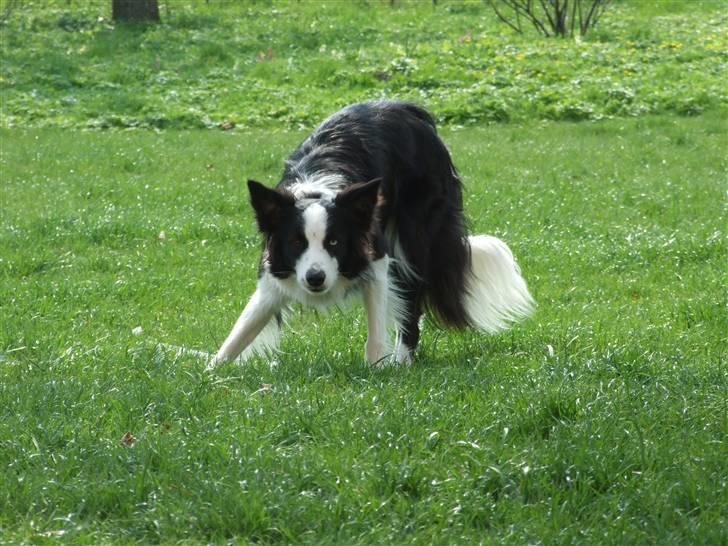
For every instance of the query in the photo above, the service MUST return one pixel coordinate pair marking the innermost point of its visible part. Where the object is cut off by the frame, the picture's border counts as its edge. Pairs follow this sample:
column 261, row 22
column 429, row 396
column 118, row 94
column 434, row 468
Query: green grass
column 273, row 64
column 601, row 420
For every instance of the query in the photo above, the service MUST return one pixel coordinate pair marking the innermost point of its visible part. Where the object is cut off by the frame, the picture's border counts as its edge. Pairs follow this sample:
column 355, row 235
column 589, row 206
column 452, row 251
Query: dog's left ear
column 360, row 199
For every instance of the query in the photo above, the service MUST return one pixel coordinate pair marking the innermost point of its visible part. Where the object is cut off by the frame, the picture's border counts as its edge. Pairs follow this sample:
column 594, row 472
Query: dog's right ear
column 269, row 205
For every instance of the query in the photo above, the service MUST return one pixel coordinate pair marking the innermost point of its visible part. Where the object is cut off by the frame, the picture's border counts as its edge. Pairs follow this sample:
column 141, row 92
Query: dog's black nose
column 315, row 278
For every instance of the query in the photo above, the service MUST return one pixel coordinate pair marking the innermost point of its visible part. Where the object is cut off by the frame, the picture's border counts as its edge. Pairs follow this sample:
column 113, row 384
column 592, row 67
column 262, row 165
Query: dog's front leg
column 375, row 304
column 259, row 311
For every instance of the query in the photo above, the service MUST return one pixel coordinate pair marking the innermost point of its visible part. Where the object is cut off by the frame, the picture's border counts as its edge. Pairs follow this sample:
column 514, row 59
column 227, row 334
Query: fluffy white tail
column 496, row 294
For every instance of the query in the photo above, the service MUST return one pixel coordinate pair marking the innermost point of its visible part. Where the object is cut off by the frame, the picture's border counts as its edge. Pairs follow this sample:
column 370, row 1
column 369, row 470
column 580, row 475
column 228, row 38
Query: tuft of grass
column 603, row 419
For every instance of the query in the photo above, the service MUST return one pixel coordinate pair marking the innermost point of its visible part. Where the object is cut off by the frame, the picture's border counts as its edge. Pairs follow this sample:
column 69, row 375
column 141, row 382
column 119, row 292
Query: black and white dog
column 371, row 204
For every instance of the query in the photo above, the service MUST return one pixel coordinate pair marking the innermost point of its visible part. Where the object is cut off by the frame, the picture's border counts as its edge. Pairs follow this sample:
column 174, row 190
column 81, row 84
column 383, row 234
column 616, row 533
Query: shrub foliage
column 551, row 17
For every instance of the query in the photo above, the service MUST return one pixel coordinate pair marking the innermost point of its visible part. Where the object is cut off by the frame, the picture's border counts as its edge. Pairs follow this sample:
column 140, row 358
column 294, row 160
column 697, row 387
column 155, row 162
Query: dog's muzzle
column 315, row 279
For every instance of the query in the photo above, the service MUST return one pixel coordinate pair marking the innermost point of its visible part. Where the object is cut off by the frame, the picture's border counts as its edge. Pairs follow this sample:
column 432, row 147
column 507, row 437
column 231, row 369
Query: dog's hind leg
column 409, row 264
column 376, row 301
column 259, row 313
column 408, row 325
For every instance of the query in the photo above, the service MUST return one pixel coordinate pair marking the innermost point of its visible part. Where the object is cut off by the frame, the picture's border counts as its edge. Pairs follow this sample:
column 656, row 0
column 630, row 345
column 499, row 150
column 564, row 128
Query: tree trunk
column 135, row 10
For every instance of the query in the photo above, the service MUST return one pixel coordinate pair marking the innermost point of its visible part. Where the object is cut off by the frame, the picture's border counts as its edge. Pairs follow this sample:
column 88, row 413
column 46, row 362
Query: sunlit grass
column 603, row 419
column 287, row 64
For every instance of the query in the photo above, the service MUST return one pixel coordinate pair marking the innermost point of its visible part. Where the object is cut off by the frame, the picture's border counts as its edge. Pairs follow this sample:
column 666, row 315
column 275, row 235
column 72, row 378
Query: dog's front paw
column 220, row 358
column 212, row 362
column 402, row 354
column 375, row 351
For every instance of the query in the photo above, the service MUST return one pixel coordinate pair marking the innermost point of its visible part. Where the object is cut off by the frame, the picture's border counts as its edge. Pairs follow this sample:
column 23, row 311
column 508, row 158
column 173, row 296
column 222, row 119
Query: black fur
column 281, row 226
column 351, row 219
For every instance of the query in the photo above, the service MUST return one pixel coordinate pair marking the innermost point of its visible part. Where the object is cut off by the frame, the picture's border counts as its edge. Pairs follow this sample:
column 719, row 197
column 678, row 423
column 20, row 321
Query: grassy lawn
column 289, row 64
column 603, row 163
column 603, row 419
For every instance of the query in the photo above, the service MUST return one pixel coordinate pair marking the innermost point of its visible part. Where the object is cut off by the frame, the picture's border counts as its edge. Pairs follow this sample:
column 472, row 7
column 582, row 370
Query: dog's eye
column 298, row 241
column 332, row 242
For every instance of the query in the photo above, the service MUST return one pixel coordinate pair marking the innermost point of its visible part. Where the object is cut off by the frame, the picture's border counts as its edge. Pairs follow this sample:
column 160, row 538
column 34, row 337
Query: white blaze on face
column 325, row 184
column 316, row 261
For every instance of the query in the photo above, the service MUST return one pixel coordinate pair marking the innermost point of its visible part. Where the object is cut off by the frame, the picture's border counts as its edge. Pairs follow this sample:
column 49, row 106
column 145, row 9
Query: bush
column 551, row 17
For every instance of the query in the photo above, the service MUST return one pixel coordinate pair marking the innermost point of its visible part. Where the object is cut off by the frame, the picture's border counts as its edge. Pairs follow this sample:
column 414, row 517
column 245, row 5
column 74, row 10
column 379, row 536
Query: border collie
column 371, row 204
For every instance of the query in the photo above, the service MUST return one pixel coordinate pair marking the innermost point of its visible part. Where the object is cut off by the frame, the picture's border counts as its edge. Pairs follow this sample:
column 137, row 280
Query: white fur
column 337, row 295
column 398, row 256
column 401, row 260
column 402, row 353
column 376, row 300
column 327, row 184
column 496, row 294
column 315, row 255
column 255, row 329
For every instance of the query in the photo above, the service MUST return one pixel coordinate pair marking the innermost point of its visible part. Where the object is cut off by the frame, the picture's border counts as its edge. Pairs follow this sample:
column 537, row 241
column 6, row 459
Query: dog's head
column 316, row 239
